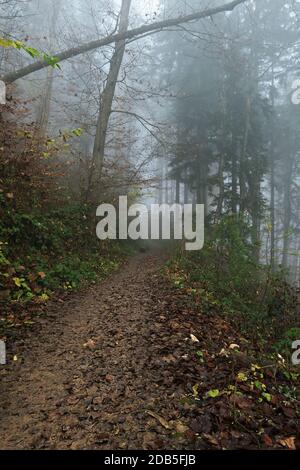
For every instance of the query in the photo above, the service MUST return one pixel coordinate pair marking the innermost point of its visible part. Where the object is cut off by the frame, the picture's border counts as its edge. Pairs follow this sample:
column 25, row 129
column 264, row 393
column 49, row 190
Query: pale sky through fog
column 142, row 7
column 146, row 6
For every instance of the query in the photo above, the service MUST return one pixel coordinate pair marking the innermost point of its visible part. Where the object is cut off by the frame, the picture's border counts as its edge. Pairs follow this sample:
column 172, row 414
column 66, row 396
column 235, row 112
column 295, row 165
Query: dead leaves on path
column 227, row 400
column 175, row 426
column 161, row 420
column 152, row 372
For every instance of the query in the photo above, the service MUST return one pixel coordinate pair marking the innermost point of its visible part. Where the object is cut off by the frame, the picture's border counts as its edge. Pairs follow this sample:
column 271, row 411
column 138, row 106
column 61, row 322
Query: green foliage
column 226, row 277
column 58, row 245
column 34, row 53
column 213, row 393
column 283, row 345
column 48, row 244
column 225, row 270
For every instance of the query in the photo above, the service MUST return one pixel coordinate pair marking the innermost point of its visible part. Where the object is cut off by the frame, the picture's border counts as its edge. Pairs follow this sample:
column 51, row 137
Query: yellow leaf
column 241, row 377
column 195, row 390
column 17, row 281
column 44, row 297
column 5, row 42
column 288, row 442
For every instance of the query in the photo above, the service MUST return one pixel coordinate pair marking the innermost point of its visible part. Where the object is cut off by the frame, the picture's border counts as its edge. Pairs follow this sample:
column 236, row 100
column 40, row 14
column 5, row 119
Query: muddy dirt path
column 128, row 364
column 83, row 381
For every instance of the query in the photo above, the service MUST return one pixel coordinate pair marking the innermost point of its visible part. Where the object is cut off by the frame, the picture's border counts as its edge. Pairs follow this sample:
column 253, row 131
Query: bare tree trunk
column 107, row 95
column 272, row 182
column 287, row 207
column 244, row 155
column 234, row 175
column 160, row 194
column 44, row 107
column 297, row 275
column 222, row 155
column 202, row 175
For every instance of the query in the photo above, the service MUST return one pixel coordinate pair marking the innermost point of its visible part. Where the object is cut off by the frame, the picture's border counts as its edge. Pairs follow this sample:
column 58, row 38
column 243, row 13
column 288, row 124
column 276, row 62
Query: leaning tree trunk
column 107, row 97
column 112, row 38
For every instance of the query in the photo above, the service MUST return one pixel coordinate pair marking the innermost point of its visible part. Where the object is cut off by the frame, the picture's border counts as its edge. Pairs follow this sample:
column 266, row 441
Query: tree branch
column 112, row 38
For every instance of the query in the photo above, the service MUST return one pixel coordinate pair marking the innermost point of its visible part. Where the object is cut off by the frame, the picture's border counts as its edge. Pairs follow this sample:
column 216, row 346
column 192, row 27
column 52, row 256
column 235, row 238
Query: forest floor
column 130, row 364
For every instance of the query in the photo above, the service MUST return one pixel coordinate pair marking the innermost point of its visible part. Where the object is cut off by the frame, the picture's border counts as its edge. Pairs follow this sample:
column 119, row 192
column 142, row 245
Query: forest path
column 128, row 364
column 88, row 377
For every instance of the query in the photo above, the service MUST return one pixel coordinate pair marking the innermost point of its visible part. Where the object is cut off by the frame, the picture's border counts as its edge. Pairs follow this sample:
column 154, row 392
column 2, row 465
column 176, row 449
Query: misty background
column 202, row 112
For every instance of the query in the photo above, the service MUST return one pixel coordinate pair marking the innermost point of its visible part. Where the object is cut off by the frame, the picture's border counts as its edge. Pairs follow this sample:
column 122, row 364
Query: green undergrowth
column 225, row 278
column 48, row 242
column 43, row 257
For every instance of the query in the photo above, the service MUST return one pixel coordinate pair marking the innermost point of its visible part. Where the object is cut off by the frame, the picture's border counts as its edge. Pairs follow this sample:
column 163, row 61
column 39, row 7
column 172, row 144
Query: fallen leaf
column 241, row 377
column 241, row 402
column 180, row 427
column 267, row 396
column 213, row 393
column 102, row 437
column 202, row 424
column 289, row 412
column 109, row 378
column 174, row 325
column 161, row 420
column 267, row 440
column 169, row 359
column 224, row 353
column 194, row 339
column 149, row 441
column 211, row 439
column 288, row 442
column 89, row 344
column 196, row 390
